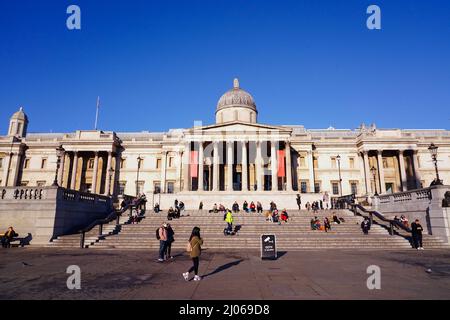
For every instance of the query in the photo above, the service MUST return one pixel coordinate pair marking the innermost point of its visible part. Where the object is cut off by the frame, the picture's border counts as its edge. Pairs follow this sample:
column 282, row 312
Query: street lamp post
column 110, row 173
column 373, row 170
column 433, row 150
column 59, row 153
column 139, row 159
column 338, row 158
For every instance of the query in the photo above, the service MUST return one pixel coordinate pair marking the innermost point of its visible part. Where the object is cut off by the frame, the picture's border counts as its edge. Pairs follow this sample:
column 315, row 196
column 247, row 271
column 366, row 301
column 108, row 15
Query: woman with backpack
column 194, row 248
column 170, row 239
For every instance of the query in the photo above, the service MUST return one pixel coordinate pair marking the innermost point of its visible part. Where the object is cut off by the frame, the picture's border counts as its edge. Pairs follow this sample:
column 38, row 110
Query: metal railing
column 137, row 202
column 358, row 209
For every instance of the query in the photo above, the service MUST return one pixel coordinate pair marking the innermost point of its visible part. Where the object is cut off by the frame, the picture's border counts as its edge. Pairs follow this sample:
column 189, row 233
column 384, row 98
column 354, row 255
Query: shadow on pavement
column 224, row 267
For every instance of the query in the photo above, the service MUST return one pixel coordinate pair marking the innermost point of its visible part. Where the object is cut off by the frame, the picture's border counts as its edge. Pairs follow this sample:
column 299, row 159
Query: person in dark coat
column 170, row 239
column 299, row 202
column 365, row 226
column 417, row 229
column 9, row 235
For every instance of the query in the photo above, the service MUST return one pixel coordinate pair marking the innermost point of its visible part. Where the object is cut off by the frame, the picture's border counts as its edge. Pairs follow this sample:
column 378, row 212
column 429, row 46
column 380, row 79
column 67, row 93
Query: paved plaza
column 40, row 273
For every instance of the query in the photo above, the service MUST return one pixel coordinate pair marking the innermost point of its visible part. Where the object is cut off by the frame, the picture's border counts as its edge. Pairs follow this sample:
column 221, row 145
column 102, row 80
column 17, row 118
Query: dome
column 19, row 115
column 236, row 97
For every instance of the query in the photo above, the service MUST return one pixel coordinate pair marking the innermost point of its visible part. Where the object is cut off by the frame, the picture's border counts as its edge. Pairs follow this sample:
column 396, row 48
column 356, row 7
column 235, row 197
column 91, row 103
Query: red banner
column 194, row 164
column 281, row 166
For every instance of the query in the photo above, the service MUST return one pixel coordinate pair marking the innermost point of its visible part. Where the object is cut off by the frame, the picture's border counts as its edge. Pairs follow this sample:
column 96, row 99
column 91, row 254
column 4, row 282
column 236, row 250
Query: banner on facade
column 194, row 164
column 281, row 166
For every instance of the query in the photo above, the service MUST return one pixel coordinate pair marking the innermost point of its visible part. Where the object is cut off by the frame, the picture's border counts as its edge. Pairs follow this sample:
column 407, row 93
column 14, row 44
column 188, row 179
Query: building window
column 354, row 187
column 351, row 162
column 171, row 162
column 19, row 128
column 140, row 187
column 170, row 187
column 44, row 163
column 1, row 163
column 91, row 164
column 303, row 186
column 317, row 186
column 335, row 188
column 40, row 184
column 24, row 183
column 122, row 185
column 158, row 163
column 333, row 162
column 315, row 162
column 122, row 163
column 157, row 187
column 385, row 163
column 26, row 164
column 302, row 161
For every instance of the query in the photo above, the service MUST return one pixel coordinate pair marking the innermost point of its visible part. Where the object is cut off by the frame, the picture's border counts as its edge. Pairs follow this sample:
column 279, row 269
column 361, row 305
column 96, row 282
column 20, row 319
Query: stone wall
column 192, row 199
column 40, row 214
column 423, row 204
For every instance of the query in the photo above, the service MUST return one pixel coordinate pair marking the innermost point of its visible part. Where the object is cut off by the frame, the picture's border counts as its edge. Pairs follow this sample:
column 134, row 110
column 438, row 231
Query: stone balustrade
column 47, row 212
column 423, row 204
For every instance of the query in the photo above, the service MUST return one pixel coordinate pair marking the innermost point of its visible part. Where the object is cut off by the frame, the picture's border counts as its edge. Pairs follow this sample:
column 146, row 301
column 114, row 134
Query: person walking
column 195, row 249
column 170, row 239
column 417, row 229
column 365, row 226
column 299, row 202
column 229, row 221
column 162, row 235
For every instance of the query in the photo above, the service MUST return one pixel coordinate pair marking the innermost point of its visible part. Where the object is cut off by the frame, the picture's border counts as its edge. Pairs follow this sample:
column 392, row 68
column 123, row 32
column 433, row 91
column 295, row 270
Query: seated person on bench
column 9, row 236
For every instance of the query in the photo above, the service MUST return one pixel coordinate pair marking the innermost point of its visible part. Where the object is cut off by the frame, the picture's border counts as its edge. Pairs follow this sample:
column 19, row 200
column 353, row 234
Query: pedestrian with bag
column 194, row 248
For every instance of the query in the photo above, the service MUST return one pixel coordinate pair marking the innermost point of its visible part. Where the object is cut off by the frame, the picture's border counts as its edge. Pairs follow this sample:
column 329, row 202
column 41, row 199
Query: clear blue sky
column 163, row 64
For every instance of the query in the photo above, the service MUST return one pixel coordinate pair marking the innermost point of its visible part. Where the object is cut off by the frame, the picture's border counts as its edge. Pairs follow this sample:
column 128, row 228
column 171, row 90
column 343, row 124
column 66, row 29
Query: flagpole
column 96, row 113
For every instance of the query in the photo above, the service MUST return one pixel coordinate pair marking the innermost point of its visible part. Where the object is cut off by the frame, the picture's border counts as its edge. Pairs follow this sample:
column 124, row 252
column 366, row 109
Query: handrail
column 382, row 217
column 113, row 215
column 349, row 200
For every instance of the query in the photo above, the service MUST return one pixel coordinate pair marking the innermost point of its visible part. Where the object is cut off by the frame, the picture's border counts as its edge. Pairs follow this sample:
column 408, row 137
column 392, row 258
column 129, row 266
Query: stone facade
column 237, row 155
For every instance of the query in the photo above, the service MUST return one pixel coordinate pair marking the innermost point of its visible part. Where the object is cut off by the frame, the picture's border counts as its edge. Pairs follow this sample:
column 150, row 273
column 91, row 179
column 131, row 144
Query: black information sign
column 268, row 246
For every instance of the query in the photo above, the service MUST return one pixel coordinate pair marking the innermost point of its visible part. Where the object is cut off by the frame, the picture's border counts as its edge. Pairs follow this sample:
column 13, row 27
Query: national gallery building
column 234, row 159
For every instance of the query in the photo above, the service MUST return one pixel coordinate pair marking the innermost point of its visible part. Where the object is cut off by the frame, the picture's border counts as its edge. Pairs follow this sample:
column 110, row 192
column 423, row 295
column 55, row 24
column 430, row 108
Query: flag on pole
column 281, row 166
column 194, row 164
column 96, row 112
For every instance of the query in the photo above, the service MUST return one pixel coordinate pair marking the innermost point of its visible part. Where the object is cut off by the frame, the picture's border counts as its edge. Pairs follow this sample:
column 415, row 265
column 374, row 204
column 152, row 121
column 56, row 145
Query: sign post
column 268, row 246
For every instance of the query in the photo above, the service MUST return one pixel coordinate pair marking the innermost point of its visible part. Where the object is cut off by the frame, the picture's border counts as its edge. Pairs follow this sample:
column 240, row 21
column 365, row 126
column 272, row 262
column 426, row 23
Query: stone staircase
column 91, row 237
column 294, row 235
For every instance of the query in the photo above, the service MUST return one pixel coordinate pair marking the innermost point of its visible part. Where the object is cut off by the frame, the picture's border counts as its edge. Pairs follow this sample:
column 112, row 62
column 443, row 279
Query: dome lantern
column 236, row 105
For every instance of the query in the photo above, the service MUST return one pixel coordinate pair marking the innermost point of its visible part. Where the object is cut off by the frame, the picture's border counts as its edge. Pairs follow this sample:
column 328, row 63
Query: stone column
column 6, row 170
column 95, row 172
column 186, row 152
column 416, row 168
column 201, row 160
column 163, row 171
column 244, row 167
column 288, row 166
column 367, row 172
column 311, row 171
column 401, row 161
column 274, row 165
column 216, row 166
column 61, row 168
column 74, row 170
column 15, row 168
column 108, row 175
column 259, row 167
column 178, row 171
column 381, row 171
column 230, row 165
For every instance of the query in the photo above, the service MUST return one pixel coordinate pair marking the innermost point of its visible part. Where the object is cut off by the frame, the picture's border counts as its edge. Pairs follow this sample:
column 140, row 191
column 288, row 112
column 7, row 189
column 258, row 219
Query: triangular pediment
column 239, row 126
